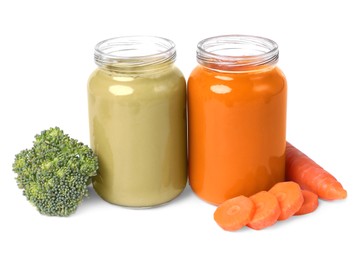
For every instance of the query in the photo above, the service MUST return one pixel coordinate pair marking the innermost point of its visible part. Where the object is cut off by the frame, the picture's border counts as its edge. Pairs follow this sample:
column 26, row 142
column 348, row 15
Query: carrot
column 267, row 210
column 289, row 196
column 310, row 203
column 235, row 213
column 310, row 176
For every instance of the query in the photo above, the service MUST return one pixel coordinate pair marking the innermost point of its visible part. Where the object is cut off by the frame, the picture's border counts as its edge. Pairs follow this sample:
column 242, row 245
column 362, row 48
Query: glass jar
column 137, row 117
column 236, row 118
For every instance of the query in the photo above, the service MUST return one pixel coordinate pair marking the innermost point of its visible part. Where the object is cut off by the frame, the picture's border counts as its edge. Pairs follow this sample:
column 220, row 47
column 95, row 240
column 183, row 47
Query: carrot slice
column 289, row 196
column 235, row 213
column 267, row 210
column 310, row 203
column 310, row 176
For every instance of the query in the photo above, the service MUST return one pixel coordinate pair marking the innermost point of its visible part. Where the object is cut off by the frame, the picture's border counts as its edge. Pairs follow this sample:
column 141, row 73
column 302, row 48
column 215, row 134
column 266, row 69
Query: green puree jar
column 137, row 117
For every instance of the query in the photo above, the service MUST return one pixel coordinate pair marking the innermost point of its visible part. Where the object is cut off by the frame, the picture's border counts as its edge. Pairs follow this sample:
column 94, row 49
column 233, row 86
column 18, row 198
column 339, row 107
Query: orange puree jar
column 237, row 100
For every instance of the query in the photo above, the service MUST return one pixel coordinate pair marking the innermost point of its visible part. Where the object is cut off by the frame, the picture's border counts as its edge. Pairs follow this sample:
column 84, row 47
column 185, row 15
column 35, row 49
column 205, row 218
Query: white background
column 46, row 56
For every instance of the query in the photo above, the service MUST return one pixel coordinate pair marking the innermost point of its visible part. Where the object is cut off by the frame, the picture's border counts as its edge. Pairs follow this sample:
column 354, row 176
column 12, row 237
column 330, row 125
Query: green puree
column 138, row 131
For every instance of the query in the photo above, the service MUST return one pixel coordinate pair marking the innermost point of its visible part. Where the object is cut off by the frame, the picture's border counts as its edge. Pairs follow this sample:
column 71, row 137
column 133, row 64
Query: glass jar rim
column 134, row 51
column 237, row 52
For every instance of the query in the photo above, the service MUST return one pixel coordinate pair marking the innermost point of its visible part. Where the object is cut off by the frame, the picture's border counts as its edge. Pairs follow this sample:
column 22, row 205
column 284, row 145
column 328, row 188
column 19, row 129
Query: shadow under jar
column 137, row 118
column 236, row 118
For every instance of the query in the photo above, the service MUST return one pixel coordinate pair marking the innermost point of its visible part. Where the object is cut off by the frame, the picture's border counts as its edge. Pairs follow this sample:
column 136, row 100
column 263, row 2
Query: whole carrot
column 310, row 176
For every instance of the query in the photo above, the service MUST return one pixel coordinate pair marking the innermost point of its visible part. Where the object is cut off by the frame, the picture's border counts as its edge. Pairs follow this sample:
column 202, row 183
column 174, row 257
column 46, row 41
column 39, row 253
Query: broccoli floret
column 55, row 172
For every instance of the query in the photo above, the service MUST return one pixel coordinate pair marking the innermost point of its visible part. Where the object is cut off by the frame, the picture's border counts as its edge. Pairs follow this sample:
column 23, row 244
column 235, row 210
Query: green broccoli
column 55, row 172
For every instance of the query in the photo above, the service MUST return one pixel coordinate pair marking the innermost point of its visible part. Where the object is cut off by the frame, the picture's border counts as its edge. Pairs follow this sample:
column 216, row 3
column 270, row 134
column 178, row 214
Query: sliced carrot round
column 235, row 213
column 289, row 196
column 310, row 203
column 267, row 210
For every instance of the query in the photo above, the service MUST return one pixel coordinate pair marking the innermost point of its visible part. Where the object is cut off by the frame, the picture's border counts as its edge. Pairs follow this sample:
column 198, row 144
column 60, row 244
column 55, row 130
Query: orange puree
column 237, row 128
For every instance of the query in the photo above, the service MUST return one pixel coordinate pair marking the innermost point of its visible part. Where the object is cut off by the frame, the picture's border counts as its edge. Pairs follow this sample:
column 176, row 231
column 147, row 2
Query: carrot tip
column 338, row 194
